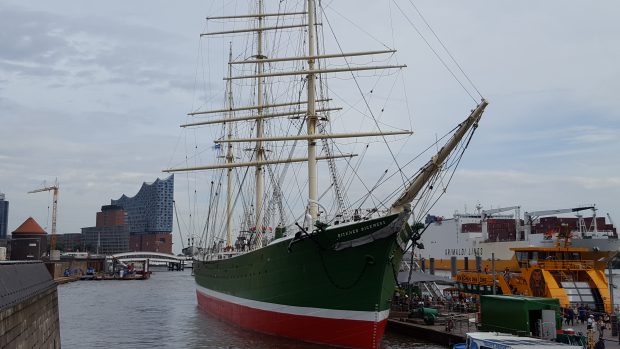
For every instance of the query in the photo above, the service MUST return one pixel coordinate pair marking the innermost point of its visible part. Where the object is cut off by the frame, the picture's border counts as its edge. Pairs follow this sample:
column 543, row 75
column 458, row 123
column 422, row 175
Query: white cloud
column 530, row 189
column 93, row 94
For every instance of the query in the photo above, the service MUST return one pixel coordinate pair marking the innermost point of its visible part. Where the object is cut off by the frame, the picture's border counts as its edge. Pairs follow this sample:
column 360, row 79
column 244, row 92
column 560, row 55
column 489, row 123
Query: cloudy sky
column 92, row 93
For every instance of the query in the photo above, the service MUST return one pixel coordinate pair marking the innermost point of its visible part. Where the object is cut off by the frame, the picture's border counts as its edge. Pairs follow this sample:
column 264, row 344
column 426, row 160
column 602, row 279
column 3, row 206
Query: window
column 519, row 255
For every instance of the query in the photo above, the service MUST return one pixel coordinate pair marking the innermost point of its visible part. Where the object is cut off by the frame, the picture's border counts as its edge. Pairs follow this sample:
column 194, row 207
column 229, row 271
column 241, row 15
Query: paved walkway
column 610, row 342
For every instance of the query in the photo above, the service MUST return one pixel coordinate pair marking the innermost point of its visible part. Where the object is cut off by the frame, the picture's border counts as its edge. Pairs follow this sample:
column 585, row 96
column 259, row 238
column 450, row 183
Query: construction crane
column 528, row 217
column 54, row 188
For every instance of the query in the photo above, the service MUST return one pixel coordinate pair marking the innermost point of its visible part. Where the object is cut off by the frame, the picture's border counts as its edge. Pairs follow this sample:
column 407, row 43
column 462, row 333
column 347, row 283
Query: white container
column 2, row 253
column 55, row 255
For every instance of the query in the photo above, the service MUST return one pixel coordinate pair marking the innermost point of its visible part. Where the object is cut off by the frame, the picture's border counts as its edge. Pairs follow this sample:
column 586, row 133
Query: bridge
column 152, row 257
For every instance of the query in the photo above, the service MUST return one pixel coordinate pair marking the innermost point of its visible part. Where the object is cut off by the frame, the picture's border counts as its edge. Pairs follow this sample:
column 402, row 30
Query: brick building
column 110, row 235
column 28, row 241
column 71, row 242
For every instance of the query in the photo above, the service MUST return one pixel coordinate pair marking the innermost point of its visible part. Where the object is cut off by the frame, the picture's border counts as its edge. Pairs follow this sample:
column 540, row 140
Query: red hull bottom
column 335, row 332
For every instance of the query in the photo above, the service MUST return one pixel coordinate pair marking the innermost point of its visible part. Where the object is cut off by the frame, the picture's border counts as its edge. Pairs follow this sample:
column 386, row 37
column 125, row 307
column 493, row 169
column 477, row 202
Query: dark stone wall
column 28, row 307
column 22, row 250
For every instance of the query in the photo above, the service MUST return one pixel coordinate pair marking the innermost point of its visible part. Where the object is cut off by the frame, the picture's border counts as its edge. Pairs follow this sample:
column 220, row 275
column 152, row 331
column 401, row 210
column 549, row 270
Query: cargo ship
column 488, row 233
column 328, row 276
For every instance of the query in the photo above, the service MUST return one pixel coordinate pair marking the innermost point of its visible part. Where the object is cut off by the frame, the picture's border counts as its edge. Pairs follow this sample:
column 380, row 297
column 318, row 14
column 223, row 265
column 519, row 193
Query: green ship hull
column 332, row 286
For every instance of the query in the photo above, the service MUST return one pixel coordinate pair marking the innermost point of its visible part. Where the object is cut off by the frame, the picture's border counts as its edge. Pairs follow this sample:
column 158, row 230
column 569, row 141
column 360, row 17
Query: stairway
column 598, row 300
column 432, row 289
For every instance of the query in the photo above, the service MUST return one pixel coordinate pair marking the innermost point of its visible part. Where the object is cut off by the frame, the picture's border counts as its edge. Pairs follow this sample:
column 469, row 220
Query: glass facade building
column 150, row 211
column 106, row 240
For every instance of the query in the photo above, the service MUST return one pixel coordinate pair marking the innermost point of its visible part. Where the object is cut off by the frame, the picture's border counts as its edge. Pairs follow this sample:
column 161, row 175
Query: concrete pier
column 28, row 306
column 431, row 333
column 464, row 323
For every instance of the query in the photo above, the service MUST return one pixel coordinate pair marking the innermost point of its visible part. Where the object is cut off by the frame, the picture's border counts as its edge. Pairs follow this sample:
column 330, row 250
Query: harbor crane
column 53, row 188
column 485, row 214
column 528, row 217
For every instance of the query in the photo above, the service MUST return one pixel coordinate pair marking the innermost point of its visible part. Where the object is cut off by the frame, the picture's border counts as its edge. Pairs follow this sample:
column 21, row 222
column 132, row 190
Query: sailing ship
column 330, row 278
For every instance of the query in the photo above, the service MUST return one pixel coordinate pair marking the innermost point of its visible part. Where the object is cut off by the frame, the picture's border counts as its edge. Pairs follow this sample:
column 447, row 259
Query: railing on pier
column 564, row 265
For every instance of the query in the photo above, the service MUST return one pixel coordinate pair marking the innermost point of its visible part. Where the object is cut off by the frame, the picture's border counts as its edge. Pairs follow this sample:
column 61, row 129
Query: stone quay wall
column 28, row 307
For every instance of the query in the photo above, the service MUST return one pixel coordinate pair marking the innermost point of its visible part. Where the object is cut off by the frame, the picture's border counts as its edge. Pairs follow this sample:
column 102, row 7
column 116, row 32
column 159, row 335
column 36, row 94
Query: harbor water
column 161, row 312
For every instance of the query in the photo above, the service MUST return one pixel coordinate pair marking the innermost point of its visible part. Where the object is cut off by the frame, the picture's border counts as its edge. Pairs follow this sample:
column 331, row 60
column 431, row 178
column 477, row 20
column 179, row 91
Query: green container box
column 516, row 314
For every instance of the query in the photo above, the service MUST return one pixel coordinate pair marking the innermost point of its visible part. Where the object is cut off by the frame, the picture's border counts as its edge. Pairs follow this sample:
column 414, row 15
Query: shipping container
column 526, row 314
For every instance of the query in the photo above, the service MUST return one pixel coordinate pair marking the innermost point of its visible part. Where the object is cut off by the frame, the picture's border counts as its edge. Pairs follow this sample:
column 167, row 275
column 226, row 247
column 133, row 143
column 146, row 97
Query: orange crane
column 54, row 188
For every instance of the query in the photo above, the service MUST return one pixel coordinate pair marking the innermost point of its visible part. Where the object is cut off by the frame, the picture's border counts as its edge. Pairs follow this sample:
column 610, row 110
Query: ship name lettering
column 472, row 251
column 354, row 231
column 347, row 233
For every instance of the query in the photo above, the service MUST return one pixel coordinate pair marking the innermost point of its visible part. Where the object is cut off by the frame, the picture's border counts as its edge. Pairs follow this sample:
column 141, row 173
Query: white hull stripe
column 294, row 310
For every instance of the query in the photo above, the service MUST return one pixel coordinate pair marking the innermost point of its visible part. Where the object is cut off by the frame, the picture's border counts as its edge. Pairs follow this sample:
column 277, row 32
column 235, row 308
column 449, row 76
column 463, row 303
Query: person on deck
column 570, row 318
column 582, row 314
column 600, row 327
column 607, row 321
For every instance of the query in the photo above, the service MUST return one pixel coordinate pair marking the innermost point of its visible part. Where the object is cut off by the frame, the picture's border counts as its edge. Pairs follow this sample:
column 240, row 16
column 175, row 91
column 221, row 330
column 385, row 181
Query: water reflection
column 160, row 313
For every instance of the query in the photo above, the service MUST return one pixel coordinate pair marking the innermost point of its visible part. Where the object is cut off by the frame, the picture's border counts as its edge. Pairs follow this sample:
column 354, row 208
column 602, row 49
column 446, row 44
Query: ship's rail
column 558, row 264
column 221, row 255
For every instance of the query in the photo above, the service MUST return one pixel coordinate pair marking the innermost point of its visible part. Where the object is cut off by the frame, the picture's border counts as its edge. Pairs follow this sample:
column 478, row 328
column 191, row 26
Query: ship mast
column 261, row 110
column 434, row 164
column 259, row 128
column 229, row 160
column 311, row 117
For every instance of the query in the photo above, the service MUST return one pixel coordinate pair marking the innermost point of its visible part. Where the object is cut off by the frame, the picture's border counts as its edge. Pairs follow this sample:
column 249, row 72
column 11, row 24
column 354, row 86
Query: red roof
column 30, row 226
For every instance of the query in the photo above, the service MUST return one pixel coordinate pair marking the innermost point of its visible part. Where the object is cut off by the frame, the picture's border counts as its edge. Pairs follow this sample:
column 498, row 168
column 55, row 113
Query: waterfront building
column 150, row 216
column 110, row 235
column 160, row 242
column 106, row 240
column 70, row 242
column 110, row 216
column 4, row 217
column 28, row 241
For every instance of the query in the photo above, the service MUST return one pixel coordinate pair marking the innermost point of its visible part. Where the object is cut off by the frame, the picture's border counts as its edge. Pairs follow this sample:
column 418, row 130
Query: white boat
column 496, row 340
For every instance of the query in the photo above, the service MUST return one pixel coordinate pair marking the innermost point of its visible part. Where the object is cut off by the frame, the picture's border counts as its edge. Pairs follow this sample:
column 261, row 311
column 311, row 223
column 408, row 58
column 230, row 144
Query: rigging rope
column 178, row 224
column 205, row 231
column 364, row 97
column 445, row 48
column 434, row 51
